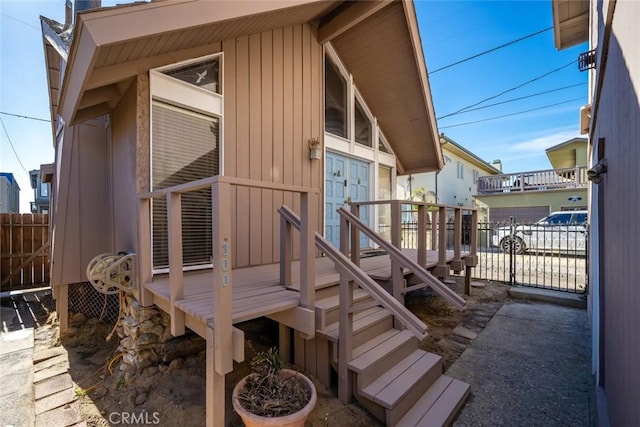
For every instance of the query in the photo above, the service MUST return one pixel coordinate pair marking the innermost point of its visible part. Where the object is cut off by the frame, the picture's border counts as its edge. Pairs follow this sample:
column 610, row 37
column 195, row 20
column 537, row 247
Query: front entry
column 346, row 179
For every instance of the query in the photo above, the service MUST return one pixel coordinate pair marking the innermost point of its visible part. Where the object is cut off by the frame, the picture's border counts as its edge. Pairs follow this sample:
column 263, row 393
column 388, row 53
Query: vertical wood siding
column 618, row 122
column 272, row 107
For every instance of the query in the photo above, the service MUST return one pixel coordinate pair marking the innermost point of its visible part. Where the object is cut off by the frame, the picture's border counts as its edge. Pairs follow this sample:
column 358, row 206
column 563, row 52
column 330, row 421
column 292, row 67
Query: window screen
column 185, row 147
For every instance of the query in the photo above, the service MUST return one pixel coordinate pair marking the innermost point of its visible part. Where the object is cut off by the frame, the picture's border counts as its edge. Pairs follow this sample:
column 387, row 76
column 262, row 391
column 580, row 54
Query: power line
column 11, row 144
column 512, row 114
column 512, row 100
column 509, row 90
column 491, row 50
column 25, row 117
column 22, row 22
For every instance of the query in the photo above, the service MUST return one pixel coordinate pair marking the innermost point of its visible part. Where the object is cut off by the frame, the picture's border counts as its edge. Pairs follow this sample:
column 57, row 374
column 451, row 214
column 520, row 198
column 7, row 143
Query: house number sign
column 224, row 262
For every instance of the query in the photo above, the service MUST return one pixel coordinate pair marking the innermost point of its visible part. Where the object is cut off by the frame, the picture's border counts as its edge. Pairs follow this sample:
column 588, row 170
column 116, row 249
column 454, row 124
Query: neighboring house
column 612, row 122
column 181, row 128
column 530, row 196
column 41, row 192
column 9, row 193
column 455, row 184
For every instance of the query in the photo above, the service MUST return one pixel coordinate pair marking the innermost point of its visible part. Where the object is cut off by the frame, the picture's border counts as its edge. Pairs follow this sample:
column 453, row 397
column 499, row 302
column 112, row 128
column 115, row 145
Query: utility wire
column 22, row 22
column 512, row 114
column 490, row 50
column 513, row 100
column 510, row 90
column 11, row 144
column 25, row 117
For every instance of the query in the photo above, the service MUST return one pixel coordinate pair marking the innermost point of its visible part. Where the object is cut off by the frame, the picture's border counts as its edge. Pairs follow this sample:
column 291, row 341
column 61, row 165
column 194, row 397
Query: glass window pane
column 363, row 127
column 204, row 74
column 335, row 100
column 185, row 148
column 382, row 147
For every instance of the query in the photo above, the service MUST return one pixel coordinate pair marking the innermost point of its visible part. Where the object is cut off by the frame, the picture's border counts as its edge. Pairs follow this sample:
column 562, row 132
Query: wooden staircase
column 397, row 382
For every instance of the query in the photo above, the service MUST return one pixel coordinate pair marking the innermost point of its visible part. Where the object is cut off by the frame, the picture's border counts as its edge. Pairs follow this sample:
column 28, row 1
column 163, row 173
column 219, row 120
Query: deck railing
column 432, row 232
column 222, row 249
column 544, row 180
column 351, row 274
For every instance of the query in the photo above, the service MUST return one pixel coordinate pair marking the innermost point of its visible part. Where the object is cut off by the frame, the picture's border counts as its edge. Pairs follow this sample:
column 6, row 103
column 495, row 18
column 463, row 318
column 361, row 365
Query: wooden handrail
column 397, row 255
column 203, row 183
column 346, row 266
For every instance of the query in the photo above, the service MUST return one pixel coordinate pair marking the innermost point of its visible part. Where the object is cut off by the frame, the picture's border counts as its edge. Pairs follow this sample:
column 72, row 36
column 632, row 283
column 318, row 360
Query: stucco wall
column 556, row 200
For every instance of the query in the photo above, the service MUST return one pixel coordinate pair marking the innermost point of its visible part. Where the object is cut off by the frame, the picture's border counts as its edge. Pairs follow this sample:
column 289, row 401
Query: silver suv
column 561, row 232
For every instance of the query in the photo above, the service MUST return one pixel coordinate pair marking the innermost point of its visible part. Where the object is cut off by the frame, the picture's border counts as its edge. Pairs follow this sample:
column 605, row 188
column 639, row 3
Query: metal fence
column 83, row 298
column 535, row 255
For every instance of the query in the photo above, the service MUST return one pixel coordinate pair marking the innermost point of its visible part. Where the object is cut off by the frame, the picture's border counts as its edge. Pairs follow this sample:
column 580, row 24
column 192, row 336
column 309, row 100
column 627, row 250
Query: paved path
column 529, row 367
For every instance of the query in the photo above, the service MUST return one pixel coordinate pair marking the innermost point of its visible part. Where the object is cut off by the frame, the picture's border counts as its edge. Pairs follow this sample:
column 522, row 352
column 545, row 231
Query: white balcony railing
column 552, row 179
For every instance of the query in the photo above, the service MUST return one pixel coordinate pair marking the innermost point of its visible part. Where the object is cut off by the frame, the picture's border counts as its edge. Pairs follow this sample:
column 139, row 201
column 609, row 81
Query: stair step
column 371, row 357
column 361, row 321
column 328, row 309
column 395, row 384
column 361, row 349
column 438, row 406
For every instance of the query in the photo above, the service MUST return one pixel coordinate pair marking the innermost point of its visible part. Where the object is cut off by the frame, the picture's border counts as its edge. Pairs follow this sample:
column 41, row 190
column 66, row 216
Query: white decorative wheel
column 111, row 273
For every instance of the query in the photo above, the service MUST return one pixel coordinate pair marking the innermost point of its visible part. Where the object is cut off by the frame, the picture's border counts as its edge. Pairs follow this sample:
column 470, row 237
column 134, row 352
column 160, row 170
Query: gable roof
column 450, row 145
column 378, row 41
column 564, row 155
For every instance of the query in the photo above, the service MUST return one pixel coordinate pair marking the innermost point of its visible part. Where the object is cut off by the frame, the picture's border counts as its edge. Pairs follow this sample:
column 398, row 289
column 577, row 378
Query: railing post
column 308, row 213
column 397, row 275
column 222, row 278
column 345, row 349
column 442, row 270
column 286, row 252
column 145, row 273
column 521, row 182
column 422, row 235
column 176, row 284
column 434, row 230
column 355, row 236
column 457, row 263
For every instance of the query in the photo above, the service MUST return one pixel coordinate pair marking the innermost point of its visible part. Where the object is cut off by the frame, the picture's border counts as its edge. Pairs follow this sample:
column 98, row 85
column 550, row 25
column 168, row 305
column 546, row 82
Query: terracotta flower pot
column 296, row 419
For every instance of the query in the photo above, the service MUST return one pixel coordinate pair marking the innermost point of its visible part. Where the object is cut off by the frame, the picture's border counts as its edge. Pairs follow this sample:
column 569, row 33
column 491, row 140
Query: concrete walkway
column 529, row 367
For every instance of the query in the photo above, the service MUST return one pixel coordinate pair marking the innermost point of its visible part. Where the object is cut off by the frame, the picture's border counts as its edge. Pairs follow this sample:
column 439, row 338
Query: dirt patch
column 174, row 394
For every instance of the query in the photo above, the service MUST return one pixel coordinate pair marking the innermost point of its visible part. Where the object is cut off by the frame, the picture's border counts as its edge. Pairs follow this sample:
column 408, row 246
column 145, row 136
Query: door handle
column 348, row 201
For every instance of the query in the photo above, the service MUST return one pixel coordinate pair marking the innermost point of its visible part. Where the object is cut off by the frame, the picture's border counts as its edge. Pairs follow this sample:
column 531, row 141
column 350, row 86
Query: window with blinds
column 185, row 147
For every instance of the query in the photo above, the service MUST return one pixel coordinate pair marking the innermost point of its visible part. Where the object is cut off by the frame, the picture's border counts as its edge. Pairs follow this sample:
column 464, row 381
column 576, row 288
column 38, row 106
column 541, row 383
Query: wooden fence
column 24, row 250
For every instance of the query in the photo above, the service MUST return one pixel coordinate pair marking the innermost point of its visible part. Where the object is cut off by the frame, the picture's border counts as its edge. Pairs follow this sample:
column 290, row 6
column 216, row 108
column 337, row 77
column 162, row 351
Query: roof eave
column 573, row 29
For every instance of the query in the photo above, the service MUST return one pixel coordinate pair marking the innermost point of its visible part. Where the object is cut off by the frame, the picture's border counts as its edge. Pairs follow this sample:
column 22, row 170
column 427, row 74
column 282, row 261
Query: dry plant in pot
column 272, row 396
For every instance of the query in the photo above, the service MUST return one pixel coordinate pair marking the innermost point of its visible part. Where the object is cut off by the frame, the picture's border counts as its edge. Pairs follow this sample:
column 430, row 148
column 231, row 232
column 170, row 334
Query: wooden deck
column 257, row 291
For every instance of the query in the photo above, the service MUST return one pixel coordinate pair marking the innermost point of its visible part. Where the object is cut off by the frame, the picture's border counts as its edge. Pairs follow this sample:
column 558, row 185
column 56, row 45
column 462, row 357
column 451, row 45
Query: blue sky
column 450, row 31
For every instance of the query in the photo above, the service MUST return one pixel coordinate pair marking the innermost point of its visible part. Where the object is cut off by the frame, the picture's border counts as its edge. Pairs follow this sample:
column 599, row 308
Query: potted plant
column 273, row 396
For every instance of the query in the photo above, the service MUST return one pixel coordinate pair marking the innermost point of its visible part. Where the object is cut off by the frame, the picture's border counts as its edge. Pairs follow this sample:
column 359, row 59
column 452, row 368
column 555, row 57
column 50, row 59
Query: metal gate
column 549, row 256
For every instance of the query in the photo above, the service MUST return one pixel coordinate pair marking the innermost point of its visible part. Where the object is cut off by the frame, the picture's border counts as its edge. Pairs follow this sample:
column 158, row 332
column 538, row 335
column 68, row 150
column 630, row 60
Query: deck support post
column 422, row 236
column 284, row 342
column 222, row 277
column 62, row 306
column 145, row 275
column 176, row 285
column 397, row 275
column 214, row 393
column 467, row 280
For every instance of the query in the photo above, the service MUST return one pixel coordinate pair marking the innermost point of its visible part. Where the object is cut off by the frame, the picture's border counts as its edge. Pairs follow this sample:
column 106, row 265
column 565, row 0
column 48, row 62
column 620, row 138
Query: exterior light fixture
column 314, row 149
column 595, row 173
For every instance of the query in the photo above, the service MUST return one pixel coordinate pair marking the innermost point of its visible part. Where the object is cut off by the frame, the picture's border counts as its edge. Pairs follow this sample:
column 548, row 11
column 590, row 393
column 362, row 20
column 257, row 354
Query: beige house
column 455, row 184
column 215, row 144
column 530, row 196
column 612, row 122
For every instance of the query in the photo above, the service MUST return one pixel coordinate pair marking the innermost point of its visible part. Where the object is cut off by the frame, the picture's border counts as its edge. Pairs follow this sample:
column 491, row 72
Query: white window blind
column 185, row 147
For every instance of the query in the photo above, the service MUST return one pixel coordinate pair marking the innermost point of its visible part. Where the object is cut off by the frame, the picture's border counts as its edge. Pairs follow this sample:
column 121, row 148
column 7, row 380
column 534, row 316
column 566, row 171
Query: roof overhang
column 56, row 52
column 564, row 155
column 570, row 22
column 384, row 54
column 378, row 41
column 454, row 148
